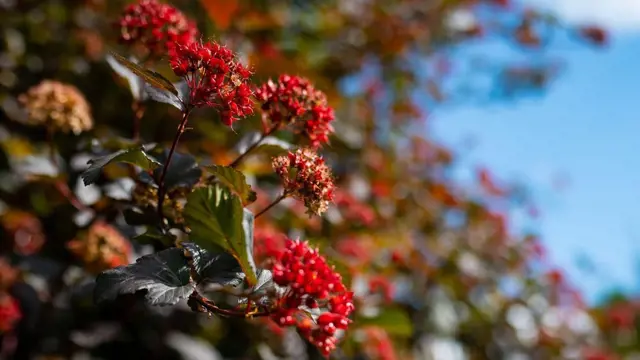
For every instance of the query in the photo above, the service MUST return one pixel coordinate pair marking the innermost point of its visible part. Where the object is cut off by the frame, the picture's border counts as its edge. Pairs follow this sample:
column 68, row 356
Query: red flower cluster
column 101, row 247
column 215, row 78
column 597, row 354
column 357, row 251
column 311, row 284
column 378, row 344
column 10, row 313
column 157, row 27
column 25, row 229
column 267, row 244
column 382, row 285
column 293, row 100
column 622, row 316
column 353, row 209
column 305, row 176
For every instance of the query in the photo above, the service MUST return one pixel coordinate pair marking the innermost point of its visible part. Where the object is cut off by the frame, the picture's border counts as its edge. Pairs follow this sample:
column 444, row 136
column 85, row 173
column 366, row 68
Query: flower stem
column 274, row 203
column 252, row 147
column 163, row 175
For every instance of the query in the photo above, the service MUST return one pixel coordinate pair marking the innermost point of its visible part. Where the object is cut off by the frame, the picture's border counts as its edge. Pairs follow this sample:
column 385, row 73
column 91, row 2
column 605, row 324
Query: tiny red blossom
column 622, row 316
column 215, row 78
column 382, row 285
column 378, row 344
column 267, row 243
column 294, row 101
column 10, row 313
column 355, row 251
column 156, row 26
column 305, row 176
column 555, row 277
column 354, row 210
column 311, row 284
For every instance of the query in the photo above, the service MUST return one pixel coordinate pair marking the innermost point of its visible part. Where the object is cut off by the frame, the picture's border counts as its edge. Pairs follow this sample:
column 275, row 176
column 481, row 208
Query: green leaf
column 164, row 96
column 151, row 77
column 394, row 320
column 137, row 217
column 214, row 267
column 136, row 156
column 217, row 220
column 154, row 235
column 271, row 146
column 115, row 143
column 165, row 276
column 135, row 82
column 183, row 170
column 235, row 181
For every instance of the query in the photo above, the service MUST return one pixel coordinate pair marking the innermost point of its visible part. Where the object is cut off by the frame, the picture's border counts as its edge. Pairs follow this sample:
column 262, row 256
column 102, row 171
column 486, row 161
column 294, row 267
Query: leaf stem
column 252, row 147
column 213, row 308
column 274, row 203
column 161, row 186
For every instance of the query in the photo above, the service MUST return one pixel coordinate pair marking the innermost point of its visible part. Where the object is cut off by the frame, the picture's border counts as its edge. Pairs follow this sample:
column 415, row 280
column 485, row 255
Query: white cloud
column 617, row 15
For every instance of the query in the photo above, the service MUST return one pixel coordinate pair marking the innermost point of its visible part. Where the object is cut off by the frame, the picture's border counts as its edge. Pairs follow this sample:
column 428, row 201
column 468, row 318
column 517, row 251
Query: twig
column 252, row 147
column 163, row 175
column 274, row 203
column 213, row 308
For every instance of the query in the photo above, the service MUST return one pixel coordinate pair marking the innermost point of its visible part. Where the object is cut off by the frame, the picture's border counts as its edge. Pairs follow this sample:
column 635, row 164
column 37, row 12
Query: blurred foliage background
column 437, row 271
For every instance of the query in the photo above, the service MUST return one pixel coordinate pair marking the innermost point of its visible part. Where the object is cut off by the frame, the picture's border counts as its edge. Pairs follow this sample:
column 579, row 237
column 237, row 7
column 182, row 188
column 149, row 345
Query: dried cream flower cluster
column 59, row 106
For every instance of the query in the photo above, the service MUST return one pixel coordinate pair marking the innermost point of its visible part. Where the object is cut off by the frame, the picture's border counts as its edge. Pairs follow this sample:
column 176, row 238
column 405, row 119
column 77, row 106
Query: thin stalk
column 163, row 175
column 213, row 308
column 274, row 203
column 252, row 147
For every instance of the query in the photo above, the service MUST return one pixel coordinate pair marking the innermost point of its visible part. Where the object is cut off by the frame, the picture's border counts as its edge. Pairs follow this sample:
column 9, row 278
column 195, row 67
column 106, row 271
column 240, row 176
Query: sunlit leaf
column 270, row 145
column 217, row 221
column 164, row 96
column 135, row 82
column 151, row 77
column 235, row 181
column 136, row 156
column 394, row 320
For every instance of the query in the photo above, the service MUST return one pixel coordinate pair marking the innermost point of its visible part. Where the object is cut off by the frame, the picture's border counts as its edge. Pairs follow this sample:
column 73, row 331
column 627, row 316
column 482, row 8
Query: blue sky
column 586, row 126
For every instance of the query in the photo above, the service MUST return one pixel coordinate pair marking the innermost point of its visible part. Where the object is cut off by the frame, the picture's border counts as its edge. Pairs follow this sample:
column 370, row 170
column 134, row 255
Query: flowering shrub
column 275, row 190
